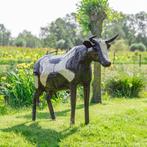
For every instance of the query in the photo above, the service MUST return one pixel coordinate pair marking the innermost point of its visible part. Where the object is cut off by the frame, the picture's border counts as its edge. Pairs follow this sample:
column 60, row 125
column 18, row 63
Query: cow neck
column 87, row 58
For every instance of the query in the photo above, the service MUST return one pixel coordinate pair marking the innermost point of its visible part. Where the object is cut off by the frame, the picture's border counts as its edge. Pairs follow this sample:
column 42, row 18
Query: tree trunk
column 96, row 29
column 96, row 84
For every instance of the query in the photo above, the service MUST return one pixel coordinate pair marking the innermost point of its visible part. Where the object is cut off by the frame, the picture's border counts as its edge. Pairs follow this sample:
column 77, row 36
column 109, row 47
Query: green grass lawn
column 117, row 122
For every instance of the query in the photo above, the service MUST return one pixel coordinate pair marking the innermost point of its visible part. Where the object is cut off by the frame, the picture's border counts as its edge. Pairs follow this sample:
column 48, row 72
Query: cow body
column 56, row 72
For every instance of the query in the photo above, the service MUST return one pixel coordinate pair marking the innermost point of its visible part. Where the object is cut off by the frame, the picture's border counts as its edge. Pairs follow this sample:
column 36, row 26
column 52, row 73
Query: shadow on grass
column 39, row 136
column 46, row 115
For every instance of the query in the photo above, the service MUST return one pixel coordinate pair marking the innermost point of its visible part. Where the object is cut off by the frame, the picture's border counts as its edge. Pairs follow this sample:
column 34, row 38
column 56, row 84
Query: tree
column 62, row 33
column 114, row 26
column 141, row 21
column 91, row 15
column 131, row 27
column 26, row 39
column 135, row 27
column 5, row 35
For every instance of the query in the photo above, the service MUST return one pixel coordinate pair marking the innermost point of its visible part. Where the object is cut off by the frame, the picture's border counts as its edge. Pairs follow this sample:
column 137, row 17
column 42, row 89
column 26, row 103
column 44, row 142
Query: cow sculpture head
column 98, row 49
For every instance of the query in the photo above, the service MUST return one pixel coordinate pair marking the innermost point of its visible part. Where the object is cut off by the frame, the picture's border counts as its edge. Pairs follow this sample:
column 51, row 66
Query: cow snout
column 106, row 64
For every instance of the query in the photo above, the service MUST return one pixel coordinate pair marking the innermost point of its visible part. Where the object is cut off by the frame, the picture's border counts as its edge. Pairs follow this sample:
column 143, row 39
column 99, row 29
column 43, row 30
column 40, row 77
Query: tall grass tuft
column 18, row 87
column 124, row 86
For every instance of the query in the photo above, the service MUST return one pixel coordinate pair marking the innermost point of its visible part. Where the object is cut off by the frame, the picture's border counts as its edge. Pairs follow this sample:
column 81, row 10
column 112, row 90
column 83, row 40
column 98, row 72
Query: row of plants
column 129, row 58
column 13, row 55
column 17, row 86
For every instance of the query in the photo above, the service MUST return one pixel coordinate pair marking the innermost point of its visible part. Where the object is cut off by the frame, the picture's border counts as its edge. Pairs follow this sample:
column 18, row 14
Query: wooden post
column 113, row 57
column 139, row 60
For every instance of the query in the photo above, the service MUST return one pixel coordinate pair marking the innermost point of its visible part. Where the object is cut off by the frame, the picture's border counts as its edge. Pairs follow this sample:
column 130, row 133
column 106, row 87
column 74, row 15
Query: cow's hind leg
column 50, row 106
column 37, row 93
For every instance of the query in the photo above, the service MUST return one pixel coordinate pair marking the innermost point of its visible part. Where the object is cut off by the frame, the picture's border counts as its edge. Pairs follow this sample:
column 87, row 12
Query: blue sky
column 18, row 15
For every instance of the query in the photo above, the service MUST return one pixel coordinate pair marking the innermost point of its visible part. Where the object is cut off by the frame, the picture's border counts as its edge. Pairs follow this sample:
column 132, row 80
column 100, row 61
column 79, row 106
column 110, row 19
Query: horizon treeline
column 64, row 33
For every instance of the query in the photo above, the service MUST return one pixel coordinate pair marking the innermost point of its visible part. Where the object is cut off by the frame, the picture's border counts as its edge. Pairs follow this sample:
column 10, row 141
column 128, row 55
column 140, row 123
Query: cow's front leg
column 37, row 93
column 50, row 106
column 86, row 87
column 73, row 89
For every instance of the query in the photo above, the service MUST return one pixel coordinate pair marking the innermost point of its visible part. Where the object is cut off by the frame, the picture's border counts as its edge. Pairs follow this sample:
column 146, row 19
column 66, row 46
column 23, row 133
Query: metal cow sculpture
column 54, row 73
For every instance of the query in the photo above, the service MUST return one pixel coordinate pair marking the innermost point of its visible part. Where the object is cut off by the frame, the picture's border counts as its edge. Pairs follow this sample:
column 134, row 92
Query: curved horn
column 112, row 39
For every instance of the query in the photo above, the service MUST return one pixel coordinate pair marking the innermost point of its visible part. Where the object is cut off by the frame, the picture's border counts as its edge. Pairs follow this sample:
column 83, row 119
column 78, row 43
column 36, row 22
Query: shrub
column 124, row 86
column 18, row 87
column 137, row 46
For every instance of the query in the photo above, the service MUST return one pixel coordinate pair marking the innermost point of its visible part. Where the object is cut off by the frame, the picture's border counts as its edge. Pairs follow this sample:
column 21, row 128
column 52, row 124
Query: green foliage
column 26, row 39
column 19, row 42
column 18, row 87
column 62, row 33
column 114, row 27
column 3, row 108
column 137, row 47
column 124, row 86
column 139, row 24
column 131, row 27
column 90, row 11
column 5, row 35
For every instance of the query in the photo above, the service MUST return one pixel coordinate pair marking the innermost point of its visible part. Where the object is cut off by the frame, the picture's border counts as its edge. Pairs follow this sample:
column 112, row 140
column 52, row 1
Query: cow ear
column 87, row 44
